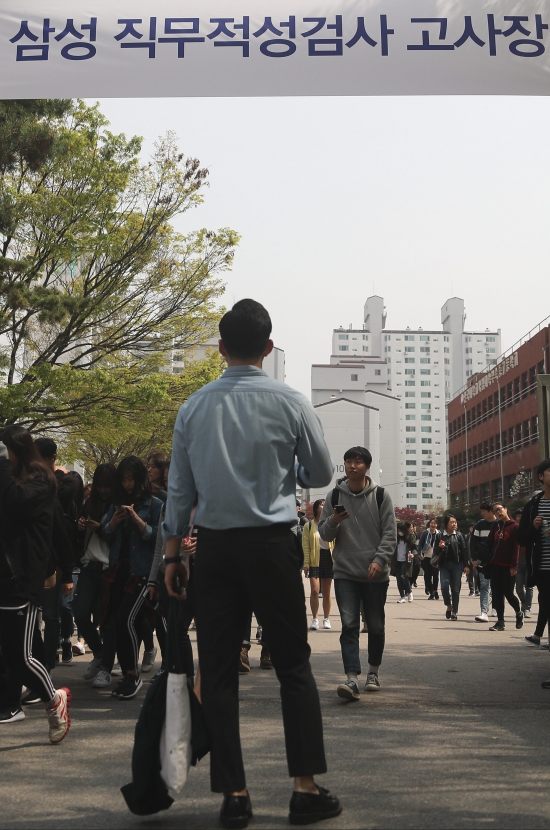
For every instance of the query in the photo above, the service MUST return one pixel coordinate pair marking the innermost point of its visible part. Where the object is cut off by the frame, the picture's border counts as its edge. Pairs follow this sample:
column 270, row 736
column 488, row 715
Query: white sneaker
column 93, row 668
column 148, row 661
column 403, row 599
column 482, row 618
column 410, row 597
column 494, row 613
column 326, row 623
column 103, row 678
column 314, row 625
column 59, row 720
column 78, row 649
column 116, row 670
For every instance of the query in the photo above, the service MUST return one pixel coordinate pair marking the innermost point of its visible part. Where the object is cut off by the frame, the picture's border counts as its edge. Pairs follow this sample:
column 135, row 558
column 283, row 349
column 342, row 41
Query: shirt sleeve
column 315, row 467
column 181, row 484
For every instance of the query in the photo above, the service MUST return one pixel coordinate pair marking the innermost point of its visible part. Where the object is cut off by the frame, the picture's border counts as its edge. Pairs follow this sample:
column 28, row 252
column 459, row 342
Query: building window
column 425, row 338
column 425, row 417
column 490, row 339
column 409, row 360
column 409, row 348
column 365, row 348
column 425, row 383
column 425, row 394
column 410, row 405
column 343, row 348
column 409, row 462
column 343, row 337
column 410, row 383
column 355, row 377
column 409, row 395
column 365, row 337
column 409, row 371
column 425, row 371
column 410, row 429
column 424, row 359
column 426, row 440
column 377, row 371
column 425, row 429
column 409, row 337
column 410, row 440
column 411, row 483
column 410, row 417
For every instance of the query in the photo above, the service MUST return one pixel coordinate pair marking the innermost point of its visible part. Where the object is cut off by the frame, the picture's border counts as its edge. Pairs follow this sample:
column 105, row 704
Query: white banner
column 162, row 48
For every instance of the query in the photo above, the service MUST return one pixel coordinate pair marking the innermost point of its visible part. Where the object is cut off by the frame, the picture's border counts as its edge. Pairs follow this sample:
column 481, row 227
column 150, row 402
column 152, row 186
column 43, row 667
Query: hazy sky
column 418, row 199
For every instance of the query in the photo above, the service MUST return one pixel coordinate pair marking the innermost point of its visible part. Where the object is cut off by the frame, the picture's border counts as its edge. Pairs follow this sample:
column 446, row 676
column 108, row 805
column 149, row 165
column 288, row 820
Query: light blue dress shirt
column 235, row 442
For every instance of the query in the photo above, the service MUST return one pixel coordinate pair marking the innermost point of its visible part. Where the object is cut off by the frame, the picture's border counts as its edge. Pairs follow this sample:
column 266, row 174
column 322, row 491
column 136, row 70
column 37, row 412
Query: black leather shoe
column 306, row 808
column 236, row 811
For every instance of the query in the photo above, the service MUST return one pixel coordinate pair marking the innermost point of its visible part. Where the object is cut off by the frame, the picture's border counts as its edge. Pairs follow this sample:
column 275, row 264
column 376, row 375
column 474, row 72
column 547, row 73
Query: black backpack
column 335, row 497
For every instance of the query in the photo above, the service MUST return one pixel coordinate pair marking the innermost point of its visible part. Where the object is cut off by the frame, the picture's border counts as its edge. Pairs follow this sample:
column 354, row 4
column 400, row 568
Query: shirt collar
column 244, row 371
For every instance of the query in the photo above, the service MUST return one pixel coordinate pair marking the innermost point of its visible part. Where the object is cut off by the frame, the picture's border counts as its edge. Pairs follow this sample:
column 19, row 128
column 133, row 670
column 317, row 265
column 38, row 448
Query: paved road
column 457, row 738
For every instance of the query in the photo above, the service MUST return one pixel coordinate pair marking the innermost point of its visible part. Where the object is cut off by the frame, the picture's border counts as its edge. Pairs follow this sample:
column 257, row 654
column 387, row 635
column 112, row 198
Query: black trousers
column 186, row 614
column 23, row 651
column 431, row 576
column 502, row 585
column 87, row 604
column 543, row 584
column 234, row 571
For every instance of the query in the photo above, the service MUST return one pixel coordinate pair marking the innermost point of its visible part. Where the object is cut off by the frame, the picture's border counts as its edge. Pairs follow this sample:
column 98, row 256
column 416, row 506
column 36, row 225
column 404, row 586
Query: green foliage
column 96, row 286
column 137, row 414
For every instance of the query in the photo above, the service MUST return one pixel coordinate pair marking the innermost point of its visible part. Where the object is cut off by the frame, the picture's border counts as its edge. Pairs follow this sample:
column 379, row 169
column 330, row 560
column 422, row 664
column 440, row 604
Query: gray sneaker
column 93, row 668
column 372, row 684
column 103, row 679
column 348, row 690
column 148, row 659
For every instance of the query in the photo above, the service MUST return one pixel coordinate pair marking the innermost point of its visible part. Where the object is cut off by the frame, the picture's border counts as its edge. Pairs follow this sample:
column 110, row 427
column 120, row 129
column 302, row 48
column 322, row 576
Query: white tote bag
column 175, row 738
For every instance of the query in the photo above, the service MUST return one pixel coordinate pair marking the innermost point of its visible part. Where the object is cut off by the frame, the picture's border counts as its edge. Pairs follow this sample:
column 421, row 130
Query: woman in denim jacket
column 130, row 527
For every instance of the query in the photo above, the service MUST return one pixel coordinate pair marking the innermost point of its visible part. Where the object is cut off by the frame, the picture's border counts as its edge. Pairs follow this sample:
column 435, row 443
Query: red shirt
column 503, row 544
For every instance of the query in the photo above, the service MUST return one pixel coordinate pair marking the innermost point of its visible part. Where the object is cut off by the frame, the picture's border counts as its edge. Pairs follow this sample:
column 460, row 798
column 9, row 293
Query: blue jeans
column 349, row 595
column 524, row 593
column 451, row 576
column 484, row 589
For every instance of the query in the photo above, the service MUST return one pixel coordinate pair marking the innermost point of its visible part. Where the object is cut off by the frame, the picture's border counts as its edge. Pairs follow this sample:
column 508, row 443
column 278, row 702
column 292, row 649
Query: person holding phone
column 95, row 560
column 317, row 567
column 358, row 516
column 130, row 527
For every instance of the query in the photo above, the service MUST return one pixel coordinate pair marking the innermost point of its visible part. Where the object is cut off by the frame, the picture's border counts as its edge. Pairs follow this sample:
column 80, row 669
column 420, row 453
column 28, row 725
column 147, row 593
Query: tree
column 94, row 280
column 521, row 485
column 139, row 416
column 407, row 514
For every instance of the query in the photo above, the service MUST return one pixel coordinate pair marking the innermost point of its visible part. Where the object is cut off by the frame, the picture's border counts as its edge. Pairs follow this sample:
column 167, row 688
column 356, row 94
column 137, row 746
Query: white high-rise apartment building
column 421, row 370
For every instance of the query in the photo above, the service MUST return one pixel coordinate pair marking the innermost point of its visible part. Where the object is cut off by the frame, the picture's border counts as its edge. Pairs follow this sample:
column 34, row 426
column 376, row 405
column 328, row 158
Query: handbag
column 175, row 739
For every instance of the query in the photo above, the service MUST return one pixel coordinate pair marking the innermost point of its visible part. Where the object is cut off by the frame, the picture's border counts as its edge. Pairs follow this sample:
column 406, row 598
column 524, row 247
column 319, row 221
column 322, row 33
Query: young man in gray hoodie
column 360, row 519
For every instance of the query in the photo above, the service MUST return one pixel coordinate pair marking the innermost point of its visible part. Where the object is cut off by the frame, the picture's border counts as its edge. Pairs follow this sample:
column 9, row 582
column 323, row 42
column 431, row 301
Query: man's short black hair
column 359, row 452
column 245, row 330
column 544, row 465
column 46, row 447
column 486, row 505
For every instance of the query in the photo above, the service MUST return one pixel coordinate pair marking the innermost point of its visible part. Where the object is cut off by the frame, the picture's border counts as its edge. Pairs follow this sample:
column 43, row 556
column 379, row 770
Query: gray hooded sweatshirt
column 369, row 535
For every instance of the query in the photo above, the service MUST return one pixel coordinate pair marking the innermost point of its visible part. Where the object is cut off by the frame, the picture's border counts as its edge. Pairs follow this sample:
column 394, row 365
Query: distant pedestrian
column 480, row 554
column 523, row 589
column 403, row 560
column 504, row 565
column 317, row 567
column 428, row 544
column 453, row 563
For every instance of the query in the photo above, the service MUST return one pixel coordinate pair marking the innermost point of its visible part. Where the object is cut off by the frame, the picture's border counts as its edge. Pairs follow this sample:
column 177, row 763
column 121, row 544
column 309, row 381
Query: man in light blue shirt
column 235, row 444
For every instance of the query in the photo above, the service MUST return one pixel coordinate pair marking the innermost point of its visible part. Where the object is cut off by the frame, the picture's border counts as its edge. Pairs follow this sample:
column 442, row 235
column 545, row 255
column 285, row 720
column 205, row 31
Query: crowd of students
column 109, row 557
column 75, row 557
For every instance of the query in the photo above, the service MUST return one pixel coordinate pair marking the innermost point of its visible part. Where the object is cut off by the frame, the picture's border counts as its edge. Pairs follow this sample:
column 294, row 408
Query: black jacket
column 62, row 550
column 480, row 549
column 26, row 525
column 530, row 538
column 456, row 550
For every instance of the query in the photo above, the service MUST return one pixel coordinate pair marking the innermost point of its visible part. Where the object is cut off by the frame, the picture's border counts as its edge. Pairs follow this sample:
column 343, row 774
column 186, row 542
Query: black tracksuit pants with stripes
column 23, row 650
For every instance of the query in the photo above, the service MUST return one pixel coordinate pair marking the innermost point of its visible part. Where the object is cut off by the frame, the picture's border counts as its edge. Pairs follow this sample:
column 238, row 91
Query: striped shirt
column 544, row 511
